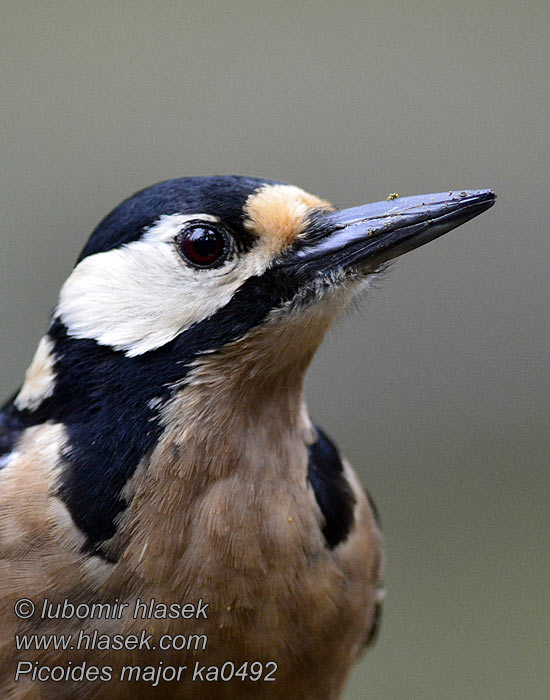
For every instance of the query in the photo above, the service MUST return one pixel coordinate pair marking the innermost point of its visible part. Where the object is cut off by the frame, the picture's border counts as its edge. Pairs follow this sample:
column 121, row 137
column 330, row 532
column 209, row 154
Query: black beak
column 365, row 237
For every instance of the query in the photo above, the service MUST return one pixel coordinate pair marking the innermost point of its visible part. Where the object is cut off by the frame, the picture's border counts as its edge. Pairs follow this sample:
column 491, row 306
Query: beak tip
column 485, row 194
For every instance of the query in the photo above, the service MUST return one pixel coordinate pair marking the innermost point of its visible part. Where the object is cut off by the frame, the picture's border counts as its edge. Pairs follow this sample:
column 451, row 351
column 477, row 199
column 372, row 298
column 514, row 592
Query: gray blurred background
column 438, row 388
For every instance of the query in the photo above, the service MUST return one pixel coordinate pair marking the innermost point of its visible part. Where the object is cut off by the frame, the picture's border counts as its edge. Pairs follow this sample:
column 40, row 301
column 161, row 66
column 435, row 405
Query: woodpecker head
column 252, row 271
column 228, row 254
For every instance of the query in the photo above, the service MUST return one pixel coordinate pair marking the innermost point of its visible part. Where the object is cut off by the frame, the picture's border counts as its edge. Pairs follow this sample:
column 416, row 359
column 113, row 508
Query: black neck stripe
column 103, row 398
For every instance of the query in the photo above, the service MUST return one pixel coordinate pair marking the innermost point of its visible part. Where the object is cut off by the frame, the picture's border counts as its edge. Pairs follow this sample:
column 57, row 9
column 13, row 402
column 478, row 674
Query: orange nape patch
column 278, row 213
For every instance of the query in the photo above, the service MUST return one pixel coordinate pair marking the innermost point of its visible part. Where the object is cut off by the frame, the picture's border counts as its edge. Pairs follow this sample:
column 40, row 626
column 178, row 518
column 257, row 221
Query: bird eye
column 203, row 245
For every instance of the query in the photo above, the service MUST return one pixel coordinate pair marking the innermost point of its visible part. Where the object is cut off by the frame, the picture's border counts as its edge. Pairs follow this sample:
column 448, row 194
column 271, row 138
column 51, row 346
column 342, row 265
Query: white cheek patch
column 141, row 296
column 8, row 459
column 39, row 381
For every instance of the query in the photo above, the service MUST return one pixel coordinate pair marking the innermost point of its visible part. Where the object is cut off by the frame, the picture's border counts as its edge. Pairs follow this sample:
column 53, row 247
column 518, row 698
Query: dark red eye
column 204, row 246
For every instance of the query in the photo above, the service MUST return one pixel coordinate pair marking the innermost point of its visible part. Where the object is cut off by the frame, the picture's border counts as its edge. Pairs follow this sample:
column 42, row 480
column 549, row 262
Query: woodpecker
column 161, row 480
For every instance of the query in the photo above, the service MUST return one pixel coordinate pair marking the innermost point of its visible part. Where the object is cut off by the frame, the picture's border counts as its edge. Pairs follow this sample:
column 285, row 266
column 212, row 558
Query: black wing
column 331, row 488
column 11, row 426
